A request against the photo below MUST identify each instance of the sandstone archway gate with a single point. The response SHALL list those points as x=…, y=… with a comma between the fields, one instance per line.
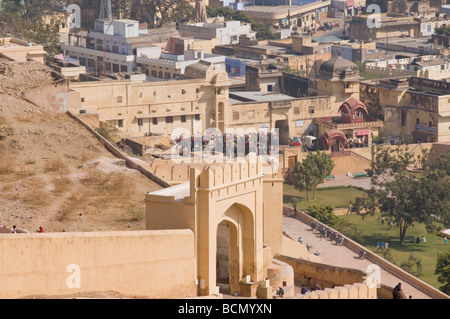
x=234, y=194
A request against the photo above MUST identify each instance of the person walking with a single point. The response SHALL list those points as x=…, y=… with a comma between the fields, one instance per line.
x=281, y=292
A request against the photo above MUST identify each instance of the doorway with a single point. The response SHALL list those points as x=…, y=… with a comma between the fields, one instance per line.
x=283, y=131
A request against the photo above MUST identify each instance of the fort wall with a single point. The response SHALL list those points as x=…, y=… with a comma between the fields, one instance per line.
x=157, y=264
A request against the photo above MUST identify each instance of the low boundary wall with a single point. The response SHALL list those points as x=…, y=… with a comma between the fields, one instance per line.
x=335, y=282
x=154, y=264
x=374, y=258
x=115, y=151
x=310, y=273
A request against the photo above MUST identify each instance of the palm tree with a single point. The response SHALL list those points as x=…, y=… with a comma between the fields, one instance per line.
x=312, y=171
x=305, y=177
x=324, y=164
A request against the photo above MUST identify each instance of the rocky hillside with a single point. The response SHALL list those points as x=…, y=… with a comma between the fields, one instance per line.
x=54, y=173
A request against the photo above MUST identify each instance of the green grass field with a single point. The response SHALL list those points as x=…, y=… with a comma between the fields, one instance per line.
x=371, y=231
x=336, y=196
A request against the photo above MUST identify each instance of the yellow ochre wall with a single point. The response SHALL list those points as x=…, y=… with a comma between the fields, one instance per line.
x=159, y=264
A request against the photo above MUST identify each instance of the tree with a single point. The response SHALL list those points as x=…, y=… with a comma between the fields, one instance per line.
x=312, y=171
x=443, y=271
x=324, y=164
x=442, y=30
x=305, y=177
x=324, y=214
x=158, y=12
x=405, y=197
x=25, y=20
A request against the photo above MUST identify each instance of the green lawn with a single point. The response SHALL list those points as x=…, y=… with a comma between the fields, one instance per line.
x=336, y=196
x=371, y=231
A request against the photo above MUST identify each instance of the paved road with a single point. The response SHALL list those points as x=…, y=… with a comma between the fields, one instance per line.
x=340, y=255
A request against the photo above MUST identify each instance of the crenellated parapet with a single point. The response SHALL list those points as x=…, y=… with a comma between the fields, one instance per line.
x=354, y=291
x=174, y=173
x=218, y=175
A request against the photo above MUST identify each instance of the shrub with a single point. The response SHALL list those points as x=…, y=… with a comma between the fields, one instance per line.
x=324, y=214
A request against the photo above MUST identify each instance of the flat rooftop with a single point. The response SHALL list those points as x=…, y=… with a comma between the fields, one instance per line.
x=284, y=10
x=178, y=192
x=257, y=96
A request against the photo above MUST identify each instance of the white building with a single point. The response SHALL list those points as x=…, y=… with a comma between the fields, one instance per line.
x=433, y=69
x=427, y=26
x=228, y=32
x=112, y=47
x=169, y=66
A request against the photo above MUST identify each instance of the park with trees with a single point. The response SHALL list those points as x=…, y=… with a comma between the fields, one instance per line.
x=411, y=191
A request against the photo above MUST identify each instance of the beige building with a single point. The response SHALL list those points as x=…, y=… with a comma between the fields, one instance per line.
x=20, y=50
x=339, y=79
x=202, y=100
x=144, y=108
x=289, y=15
x=390, y=27
x=412, y=108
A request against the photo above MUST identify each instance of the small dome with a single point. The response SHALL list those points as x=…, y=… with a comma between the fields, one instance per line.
x=339, y=69
x=220, y=77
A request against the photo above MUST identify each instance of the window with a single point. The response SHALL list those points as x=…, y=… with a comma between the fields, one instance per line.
x=403, y=117
x=82, y=99
x=197, y=117
x=270, y=87
x=430, y=124
x=417, y=121
x=155, y=120
x=311, y=109
x=358, y=114
x=140, y=122
x=120, y=123
x=183, y=118
x=296, y=110
x=169, y=119
x=119, y=99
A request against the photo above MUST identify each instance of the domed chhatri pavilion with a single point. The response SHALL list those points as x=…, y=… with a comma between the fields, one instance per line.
x=339, y=69
x=339, y=79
